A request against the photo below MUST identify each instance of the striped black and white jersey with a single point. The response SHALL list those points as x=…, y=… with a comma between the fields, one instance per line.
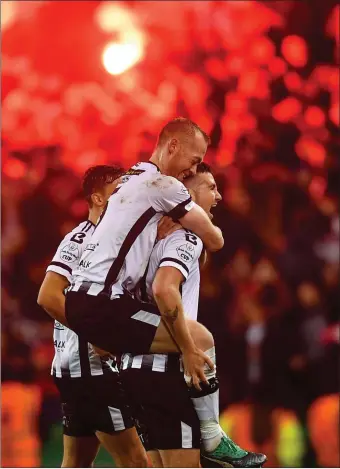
x=122, y=242
x=73, y=357
x=182, y=250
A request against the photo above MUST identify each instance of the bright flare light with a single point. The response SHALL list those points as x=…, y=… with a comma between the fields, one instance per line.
x=114, y=16
x=8, y=14
x=117, y=58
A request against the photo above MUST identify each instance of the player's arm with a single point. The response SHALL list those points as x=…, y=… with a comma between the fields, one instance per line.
x=171, y=197
x=59, y=275
x=166, y=292
x=178, y=253
x=51, y=296
x=198, y=221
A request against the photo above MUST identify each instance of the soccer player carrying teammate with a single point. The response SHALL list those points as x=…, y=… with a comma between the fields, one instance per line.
x=155, y=381
x=100, y=305
x=93, y=402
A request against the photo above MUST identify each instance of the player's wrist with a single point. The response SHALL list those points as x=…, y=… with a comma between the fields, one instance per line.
x=189, y=347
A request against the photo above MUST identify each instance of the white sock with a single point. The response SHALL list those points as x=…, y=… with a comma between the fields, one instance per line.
x=207, y=409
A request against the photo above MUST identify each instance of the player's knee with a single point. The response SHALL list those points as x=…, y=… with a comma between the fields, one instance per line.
x=202, y=337
x=77, y=462
x=136, y=457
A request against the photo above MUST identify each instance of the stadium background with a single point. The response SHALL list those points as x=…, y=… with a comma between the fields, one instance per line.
x=92, y=82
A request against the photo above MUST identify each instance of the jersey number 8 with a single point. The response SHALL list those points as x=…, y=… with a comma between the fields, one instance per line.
x=191, y=238
x=78, y=238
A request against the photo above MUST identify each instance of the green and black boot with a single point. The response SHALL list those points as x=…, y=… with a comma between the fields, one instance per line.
x=229, y=454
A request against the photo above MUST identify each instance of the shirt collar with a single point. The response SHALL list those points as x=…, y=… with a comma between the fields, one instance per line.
x=147, y=166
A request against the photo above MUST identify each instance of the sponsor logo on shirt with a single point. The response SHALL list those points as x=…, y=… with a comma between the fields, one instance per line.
x=70, y=252
x=186, y=252
x=84, y=264
x=134, y=172
x=91, y=247
x=59, y=345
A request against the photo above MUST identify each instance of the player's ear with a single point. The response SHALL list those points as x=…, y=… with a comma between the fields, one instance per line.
x=173, y=145
x=97, y=199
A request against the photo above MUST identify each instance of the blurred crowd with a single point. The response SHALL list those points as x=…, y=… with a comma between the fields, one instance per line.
x=262, y=79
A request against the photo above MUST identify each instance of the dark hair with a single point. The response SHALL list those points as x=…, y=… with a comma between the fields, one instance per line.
x=204, y=168
x=183, y=125
x=96, y=178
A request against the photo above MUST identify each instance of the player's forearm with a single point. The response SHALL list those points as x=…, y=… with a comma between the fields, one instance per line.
x=198, y=221
x=54, y=305
x=169, y=302
x=214, y=239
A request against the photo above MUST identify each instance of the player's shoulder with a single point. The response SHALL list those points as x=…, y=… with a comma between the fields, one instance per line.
x=163, y=182
x=185, y=235
x=73, y=244
x=185, y=242
x=85, y=227
x=79, y=234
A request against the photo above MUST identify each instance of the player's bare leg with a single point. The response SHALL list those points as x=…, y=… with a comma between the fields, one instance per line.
x=163, y=341
x=180, y=457
x=155, y=458
x=125, y=448
x=217, y=446
x=79, y=451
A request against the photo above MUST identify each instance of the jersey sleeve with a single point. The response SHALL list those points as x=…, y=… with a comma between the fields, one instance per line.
x=68, y=254
x=170, y=196
x=181, y=250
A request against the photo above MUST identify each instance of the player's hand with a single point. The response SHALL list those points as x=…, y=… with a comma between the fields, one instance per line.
x=166, y=227
x=103, y=353
x=193, y=362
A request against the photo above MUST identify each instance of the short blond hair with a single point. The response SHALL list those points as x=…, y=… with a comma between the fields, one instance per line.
x=181, y=125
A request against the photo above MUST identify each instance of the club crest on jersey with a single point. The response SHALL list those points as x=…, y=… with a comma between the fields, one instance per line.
x=58, y=325
x=70, y=253
x=185, y=252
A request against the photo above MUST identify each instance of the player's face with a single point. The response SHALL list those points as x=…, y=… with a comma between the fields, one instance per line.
x=206, y=193
x=185, y=155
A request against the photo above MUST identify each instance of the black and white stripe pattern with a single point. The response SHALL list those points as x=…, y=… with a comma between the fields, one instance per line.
x=117, y=419
x=125, y=235
x=186, y=431
x=74, y=358
x=130, y=239
x=181, y=252
x=160, y=362
x=88, y=226
x=167, y=253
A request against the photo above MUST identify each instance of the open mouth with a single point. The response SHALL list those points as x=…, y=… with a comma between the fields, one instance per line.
x=209, y=213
